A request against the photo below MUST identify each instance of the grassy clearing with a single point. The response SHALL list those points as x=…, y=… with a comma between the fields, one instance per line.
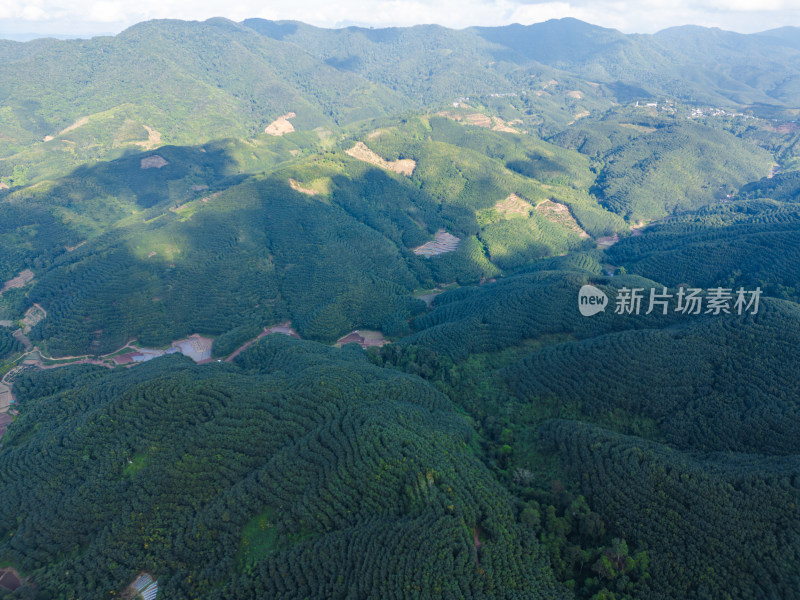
x=259, y=538
x=135, y=465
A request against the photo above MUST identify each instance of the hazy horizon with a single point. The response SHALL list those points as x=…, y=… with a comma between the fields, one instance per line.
x=87, y=18
x=26, y=36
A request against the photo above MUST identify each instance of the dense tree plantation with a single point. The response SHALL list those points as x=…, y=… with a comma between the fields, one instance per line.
x=719, y=524
x=527, y=306
x=716, y=385
x=235, y=180
x=163, y=467
x=750, y=243
x=677, y=431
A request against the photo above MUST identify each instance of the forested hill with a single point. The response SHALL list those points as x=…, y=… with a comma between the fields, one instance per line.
x=692, y=63
x=192, y=82
x=189, y=82
x=704, y=64
x=681, y=433
x=300, y=472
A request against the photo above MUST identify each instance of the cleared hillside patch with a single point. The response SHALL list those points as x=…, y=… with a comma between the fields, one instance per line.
x=479, y=120
x=153, y=162
x=607, y=241
x=560, y=215
x=404, y=166
x=20, y=281
x=153, y=139
x=514, y=206
x=79, y=123
x=443, y=242
x=281, y=125
x=317, y=187
x=366, y=338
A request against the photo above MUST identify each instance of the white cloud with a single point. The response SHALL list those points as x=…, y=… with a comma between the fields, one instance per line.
x=536, y=13
x=107, y=12
x=749, y=5
x=33, y=13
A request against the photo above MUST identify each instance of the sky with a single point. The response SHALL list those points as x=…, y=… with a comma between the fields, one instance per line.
x=97, y=17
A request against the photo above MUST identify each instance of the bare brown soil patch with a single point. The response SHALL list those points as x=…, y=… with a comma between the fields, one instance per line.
x=640, y=128
x=560, y=215
x=575, y=94
x=9, y=578
x=124, y=359
x=480, y=120
x=285, y=328
x=20, y=281
x=500, y=125
x=153, y=139
x=73, y=248
x=32, y=317
x=79, y=123
x=375, y=134
x=403, y=166
x=303, y=190
x=607, y=241
x=442, y=242
x=196, y=347
x=153, y=162
x=513, y=205
x=48, y=138
x=365, y=338
x=281, y=125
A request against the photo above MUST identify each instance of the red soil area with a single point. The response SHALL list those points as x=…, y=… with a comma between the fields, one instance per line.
x=10, y=579
x=476, y=543
x=284, y=328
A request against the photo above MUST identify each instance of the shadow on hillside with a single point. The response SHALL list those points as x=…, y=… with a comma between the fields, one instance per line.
x=149, y=178
x=271, y=29
x=255, y=252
